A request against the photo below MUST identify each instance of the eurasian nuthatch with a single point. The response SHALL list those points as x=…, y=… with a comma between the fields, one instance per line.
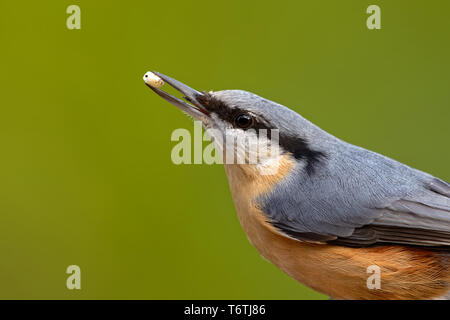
x=332, y=209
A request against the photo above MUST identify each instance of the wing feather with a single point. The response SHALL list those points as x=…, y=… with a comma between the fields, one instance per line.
x=422, y=220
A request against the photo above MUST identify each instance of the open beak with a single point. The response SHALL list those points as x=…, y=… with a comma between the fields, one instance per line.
x=195, y=109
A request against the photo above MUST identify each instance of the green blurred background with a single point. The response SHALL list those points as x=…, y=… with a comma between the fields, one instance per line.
x=85, y=170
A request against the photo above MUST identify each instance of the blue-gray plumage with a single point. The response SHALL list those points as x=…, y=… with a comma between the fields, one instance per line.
x=354, y=196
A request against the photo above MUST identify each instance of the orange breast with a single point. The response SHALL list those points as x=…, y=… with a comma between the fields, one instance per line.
x=339, y=272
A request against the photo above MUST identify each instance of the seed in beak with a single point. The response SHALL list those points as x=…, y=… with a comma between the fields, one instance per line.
x=153, y=80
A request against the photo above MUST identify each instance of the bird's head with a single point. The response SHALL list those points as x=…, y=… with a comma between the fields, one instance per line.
x=230, y=115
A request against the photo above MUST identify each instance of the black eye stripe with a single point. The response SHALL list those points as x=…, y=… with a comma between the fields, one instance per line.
x=297, y=146
x=229, y=114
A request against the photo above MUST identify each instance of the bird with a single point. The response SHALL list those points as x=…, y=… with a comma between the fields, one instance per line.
x=330, y=209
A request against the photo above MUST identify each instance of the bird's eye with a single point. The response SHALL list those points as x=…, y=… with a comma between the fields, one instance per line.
x=243, y=121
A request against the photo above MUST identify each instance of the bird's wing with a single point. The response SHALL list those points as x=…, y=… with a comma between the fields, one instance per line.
x=421, y=219
x=382, y=201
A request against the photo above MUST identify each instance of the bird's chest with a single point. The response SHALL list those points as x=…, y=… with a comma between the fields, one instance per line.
x=245, y=188
x=246, y=185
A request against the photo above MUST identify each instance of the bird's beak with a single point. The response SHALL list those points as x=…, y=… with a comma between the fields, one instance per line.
x=195, y=109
